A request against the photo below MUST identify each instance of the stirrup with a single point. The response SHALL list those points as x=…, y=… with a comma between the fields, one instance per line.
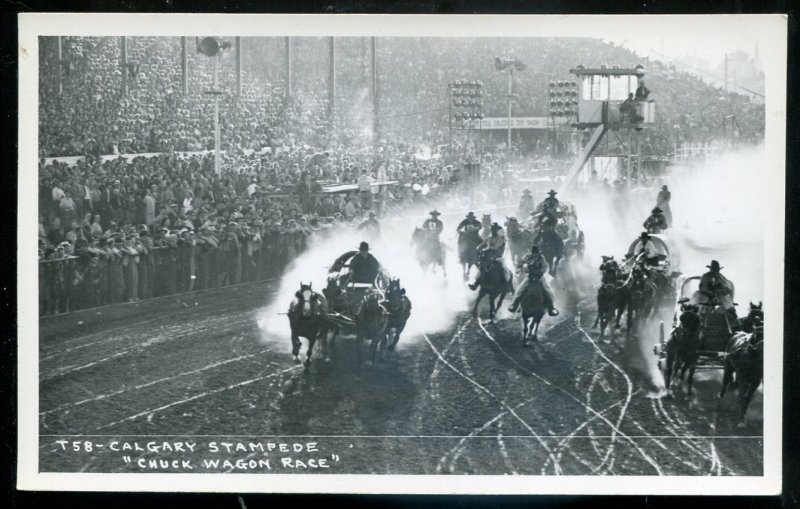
x=552, y=312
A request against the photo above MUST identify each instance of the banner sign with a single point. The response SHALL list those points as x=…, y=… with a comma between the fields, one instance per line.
x=520, y=122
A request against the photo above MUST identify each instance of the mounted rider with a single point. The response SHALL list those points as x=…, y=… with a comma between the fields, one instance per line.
x=364, y=268
x=371, y=227
x=526, y=204
x=470, y=226
x=535, y=266
x=433, y=228
x=662, y=202
x=551, y=203
x=656, y=222
x=494, y=247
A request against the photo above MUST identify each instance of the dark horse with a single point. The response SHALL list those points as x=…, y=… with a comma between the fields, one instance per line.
x=467, y=251
x=552, y=247
x=754, y=318
x=640, y=299
x=682, y=348
x=533, y=306
x=608, y=295
x=429, y=250
x=744, y=368
x=520, y=239
x=399, y=308
x=370, y=319
x=494, y=282
x=306, y=319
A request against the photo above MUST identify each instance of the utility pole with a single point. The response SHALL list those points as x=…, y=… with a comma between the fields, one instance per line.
x=726, y=71
x=123, y=43
x=288, y=67
x=238, y=66
x=375, y=96
x=510, y=81
x=59, y=80
x=332, y=79
x=185, y=64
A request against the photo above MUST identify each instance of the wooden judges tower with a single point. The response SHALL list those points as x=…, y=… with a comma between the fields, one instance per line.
x=601, y=92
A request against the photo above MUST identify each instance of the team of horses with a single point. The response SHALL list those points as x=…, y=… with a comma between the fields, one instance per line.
x=371, y=315
x=633, y=289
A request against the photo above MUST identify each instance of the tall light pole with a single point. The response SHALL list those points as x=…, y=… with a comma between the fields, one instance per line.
x=212, y=48
x=510, y=65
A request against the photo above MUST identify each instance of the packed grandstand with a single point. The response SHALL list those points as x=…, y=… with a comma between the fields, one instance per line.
x=130, y=203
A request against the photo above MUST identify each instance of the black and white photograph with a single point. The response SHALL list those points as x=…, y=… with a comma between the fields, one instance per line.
x=484, y=253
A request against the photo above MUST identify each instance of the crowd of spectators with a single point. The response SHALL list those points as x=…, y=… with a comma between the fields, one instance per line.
x=116, y=228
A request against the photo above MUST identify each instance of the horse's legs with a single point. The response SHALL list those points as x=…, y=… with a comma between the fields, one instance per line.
x=296, y=344
x=492, y=309
x=669, y=365
x=535, y=328
x=746, y=391
x=727, y=377
x=524, y=329
x=477, y=301
x=690, y=380
x=311, y=342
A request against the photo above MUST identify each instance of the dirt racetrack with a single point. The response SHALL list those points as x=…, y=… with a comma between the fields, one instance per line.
x=469, y=401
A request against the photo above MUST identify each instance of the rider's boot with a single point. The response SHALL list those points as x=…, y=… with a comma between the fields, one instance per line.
x=474, y=286
x=551, y=309
x=514, y=305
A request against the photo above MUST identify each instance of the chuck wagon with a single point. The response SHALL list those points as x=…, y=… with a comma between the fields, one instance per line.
x=566, y=227
x=717, y=324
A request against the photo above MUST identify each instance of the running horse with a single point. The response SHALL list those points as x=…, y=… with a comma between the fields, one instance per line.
x=399, y=308
x=370, y=321
x=306, y=319
x=494, y=282
x=608, y=295
x=744, y=368
x=533, y=306
x=640, y=299
x=429, y=250
x=552, y=247
x=520, y=239
x=486, y=226
x=468, y=243
x=682, y=350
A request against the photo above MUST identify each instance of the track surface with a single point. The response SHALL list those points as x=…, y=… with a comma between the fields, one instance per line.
x=469, y=401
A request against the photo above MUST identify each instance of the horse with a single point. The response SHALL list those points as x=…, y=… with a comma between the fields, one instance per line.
x=429, y=250
x=399, y=308
x=607, y=294
x=682, y=353
x=640, y=299
x=520, y=239
x=533, y=306
x=306, y=319
x=494, y=282
x=370, y=324
x=552, y=247
x=744, y=368
x=486, y=226
x=467, y=251
x=754, y=318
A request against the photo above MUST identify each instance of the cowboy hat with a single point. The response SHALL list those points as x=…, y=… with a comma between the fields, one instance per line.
x=534, y=248
x=496, y=226
x=552, y=192
x=714, y=265
x=435, y=212
x=657, y=210
x=526, y=191
x=664, y=187
x=363, y=246
x=471, y=214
